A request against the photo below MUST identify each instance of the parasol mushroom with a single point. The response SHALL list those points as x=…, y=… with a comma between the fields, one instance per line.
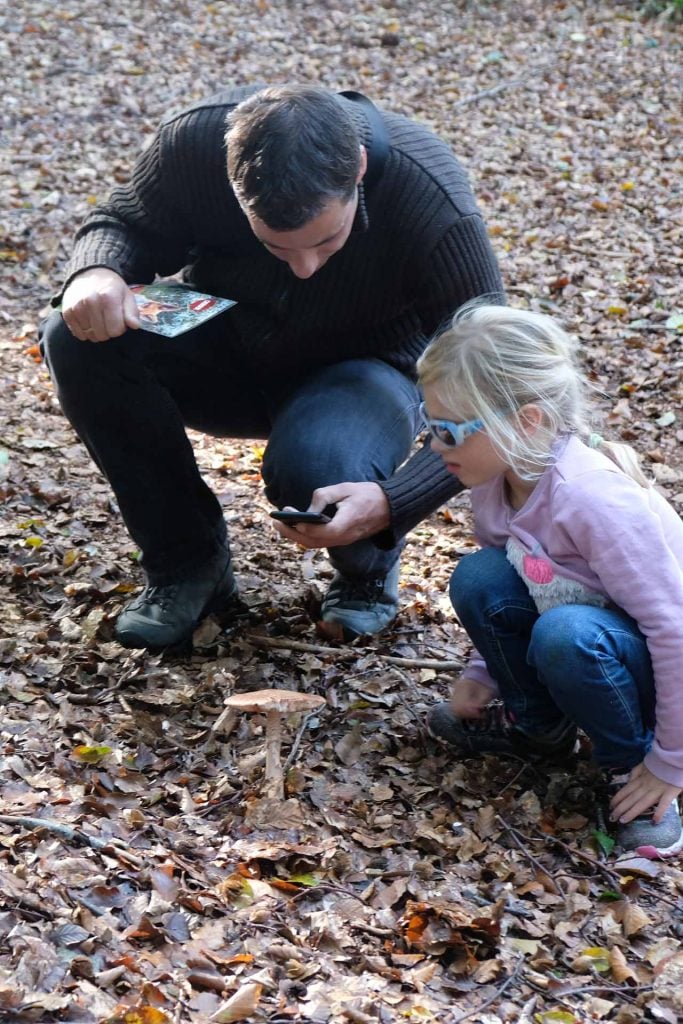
x=274, y=704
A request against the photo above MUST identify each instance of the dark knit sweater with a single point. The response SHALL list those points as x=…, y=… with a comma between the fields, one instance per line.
x=417, y=251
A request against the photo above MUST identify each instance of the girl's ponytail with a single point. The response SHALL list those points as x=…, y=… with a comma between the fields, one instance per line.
x=622, y=455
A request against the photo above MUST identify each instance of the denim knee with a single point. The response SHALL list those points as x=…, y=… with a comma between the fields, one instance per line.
x=481, y=579
x=554, y=637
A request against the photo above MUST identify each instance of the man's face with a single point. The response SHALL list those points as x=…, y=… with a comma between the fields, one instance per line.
x=309, y=248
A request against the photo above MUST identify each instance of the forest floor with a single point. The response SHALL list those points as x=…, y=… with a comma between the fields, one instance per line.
x=143, y=877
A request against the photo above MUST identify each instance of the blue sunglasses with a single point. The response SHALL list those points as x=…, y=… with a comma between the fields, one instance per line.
x=447, y=433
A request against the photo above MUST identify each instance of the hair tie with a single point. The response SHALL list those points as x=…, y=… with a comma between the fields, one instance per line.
x=595, y=440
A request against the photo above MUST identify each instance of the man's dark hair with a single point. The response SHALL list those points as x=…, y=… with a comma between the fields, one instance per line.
x=291, y=149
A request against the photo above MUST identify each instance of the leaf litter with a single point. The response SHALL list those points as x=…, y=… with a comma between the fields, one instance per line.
x=144, y=876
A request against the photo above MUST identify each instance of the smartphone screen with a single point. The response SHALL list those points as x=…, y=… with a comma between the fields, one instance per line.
x=292, y=517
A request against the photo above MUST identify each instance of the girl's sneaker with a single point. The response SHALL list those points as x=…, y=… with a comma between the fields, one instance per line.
x=654, y=840
x=494, y=733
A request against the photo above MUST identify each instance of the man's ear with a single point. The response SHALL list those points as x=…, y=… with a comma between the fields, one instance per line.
x=530, y=417
x=363, y=164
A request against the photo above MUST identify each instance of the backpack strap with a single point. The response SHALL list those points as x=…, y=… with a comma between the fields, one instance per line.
x=378, y=148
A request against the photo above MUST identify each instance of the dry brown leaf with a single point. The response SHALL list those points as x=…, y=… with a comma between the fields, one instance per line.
x=619, y=967
x=240, y=1006
x=634, y=920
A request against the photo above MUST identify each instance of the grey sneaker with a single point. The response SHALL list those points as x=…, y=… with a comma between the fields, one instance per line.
x=167, y=616
x=494, y=733
x=642, y=835
x=358, y=607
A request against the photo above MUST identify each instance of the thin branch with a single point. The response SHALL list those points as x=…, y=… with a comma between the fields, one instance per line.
x=512, y=83
x=492, y=999
x=517, y=840
x=297, y=742
x=609, y=873
x=622, y=990
x=407, y=705
x=339, y=654
x=73, y=835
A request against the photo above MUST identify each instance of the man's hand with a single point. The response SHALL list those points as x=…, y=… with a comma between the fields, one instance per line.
x=362, y=511
x=98, y=305
x=469, y=698
x=642, y=791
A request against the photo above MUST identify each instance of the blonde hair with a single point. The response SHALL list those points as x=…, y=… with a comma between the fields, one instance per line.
x=492, y=361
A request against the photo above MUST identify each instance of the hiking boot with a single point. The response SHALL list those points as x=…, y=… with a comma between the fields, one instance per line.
x=642, y=835
x=494, y=733
x=358, y=607
x=167, y=616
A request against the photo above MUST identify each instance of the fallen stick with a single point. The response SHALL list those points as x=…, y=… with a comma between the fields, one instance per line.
x=72, y=834
x=338, y=654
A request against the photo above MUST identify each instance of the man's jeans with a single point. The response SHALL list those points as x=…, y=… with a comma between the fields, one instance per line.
x=131, y=398
x=587, y=663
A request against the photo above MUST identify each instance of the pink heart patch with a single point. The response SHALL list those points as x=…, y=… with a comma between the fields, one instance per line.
x=538, y=570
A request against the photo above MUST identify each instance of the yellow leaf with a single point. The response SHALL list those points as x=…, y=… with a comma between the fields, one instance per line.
x=152, y=1015
x=33, y=542
x=91, y=755
x=595, y=958
x=626, y=186
x=617, y=309
x=69, y=558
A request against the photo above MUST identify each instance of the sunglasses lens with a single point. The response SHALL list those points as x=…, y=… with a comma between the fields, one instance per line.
x=444, y=435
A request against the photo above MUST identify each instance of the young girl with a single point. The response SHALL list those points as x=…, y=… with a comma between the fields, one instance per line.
x=574, y=603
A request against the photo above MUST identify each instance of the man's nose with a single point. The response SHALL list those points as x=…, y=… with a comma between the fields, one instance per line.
x=305, y=264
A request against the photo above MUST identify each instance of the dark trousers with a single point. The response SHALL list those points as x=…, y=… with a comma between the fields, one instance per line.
x=131, y=398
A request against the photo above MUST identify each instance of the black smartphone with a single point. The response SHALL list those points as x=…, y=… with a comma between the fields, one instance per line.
x=293, y=516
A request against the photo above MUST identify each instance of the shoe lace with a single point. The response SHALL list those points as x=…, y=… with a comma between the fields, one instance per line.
x=357, y=590
x=163, y=596
x=493, y=720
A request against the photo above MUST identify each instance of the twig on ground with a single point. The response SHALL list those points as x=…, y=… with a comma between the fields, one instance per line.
x=345, y=655
x=407, y=705
x=371, y=929
x=609, y=873
x=73, y=835
x=511, y=978
x=56, y=828
x=30, y=903
x=297, y=742
x=517, y=840
x=511, y=83
x=626, y=991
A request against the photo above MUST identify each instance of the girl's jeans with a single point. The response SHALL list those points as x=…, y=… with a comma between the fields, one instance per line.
x=131, y=399
x=576, y=661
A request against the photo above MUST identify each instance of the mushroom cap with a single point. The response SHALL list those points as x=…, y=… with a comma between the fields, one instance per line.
x=284, y=701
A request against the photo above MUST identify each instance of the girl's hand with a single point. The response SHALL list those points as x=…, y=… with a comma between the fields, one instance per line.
x=642, y=791
x=469, y=698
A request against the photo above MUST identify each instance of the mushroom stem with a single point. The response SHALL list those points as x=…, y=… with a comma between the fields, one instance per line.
x=274, y=779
